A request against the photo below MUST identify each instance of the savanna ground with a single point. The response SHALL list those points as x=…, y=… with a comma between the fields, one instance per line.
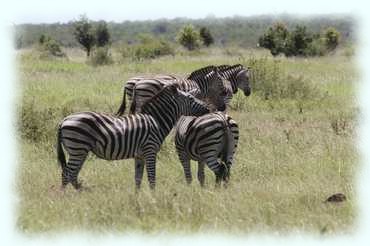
x=296, y=148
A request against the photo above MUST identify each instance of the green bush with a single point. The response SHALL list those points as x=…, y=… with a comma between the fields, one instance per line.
x=275, y=39
x=101, y=56
x=188, y=37
x=316, y=48
x=148, y=48
x=48, y=47
x=299, y=42
x=206, y=36
x=36, y=125
x=269, y=81
x=331, y=38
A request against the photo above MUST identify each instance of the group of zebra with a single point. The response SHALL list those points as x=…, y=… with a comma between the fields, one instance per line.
x=194, y=104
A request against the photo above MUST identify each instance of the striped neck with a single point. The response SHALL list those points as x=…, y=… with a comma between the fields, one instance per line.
x=165, y=111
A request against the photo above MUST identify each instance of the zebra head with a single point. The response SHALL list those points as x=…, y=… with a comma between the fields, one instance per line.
x=238, y=76
x=211, y=84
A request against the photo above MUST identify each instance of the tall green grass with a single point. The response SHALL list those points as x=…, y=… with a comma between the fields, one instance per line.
x=296, y=148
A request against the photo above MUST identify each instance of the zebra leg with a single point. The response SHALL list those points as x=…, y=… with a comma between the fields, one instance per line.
x=150, y=160
x=185, y=162
x=201, y=173
x=218, y=169
x=139, y=169
x=71, y=170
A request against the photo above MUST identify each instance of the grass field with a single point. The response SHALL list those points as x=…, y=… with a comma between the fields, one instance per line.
x=296, y=148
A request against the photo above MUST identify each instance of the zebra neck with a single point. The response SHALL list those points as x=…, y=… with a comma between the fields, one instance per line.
x=165, y=113
x=231, y=76
x=202, y=84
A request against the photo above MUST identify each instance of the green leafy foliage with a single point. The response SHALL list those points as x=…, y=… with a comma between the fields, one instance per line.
x=148, y=47
x=271, y=82
x=84, y=33
x=206, y=36
x=189, y=37
x=237, y=30
x=275, y=39
x=299, y=42
x=102, y=34
x=48, y=47
x=331, y=38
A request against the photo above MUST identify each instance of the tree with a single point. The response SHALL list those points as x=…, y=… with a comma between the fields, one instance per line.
x=43, y=38
x=188, y=37
x=83, y=32
x=275, y=39
x=206, y=36
x=298, y=41
x=102, y=34
x=331, y=38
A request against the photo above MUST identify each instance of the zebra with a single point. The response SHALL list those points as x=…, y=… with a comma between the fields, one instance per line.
x=130, y=84
x=137, y=136
x=236, y=76
x=207, y=139
x=205, y=83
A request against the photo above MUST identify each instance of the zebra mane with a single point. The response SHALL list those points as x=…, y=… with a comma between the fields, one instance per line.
x=224, y=68
x=170, y=89
x=201, y=72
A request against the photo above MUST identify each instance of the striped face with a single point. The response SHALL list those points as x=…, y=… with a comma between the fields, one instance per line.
x=216, y=93
x=242, y=79
x=192, y=105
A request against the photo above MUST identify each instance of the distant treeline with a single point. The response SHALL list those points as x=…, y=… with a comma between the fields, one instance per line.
x=241, y=31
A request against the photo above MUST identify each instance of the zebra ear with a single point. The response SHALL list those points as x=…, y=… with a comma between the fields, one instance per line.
x=243, y=72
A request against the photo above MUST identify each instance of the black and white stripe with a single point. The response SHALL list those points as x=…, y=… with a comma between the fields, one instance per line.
x=205, y=84
x=211, y=140
x=238, y=76
x=136, y=136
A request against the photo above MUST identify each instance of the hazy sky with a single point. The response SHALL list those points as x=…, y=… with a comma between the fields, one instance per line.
x=38, y=11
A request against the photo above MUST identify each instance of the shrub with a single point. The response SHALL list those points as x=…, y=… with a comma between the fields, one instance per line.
x=148, y=48
x=36, y=125
x=271, y=82
x=101, y=56
x=49, y=47
x=189, y=38
x=275, y=39
x=331, y=38
x=299, y=42
x=206, y=36
x=316, y=48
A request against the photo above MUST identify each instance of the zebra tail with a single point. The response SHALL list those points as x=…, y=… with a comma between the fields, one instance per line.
x=122, y=108
x=60, y=152
x=229, y=145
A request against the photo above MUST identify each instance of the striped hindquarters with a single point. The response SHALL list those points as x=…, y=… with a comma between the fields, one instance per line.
x=204, y=138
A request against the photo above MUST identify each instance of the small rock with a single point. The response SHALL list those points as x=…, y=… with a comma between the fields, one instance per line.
x=338, y=197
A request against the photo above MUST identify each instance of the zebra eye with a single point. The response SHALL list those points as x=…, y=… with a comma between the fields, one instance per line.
x=223, y=93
